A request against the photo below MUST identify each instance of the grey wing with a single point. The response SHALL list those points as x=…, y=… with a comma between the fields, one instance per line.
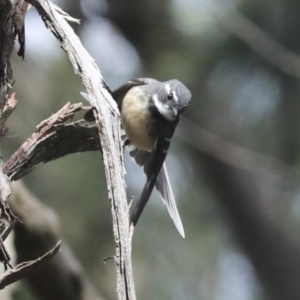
x=119, y=93
x=164, y=187
x=139, y=156
x=146, y=80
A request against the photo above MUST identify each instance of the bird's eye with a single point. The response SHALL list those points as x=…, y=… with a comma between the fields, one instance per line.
x=170, y=97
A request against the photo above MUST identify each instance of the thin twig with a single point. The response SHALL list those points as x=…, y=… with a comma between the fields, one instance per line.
x=26, y=268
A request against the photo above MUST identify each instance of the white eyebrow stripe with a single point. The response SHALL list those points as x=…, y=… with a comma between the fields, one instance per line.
x=168, y=88
x=175, y=96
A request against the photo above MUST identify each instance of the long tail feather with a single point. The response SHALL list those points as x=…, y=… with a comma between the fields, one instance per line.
x=148, y=188
x=164, y=187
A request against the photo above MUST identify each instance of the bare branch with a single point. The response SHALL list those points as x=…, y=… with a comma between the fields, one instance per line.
x=9, y=107
x=11, y=24
x=107, y=116
x=26, y=268
x=7, y=230
x=51, y=140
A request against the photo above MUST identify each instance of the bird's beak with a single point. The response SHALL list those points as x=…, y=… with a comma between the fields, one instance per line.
x=175, y=112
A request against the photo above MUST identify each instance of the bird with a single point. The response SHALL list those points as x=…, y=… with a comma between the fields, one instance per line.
x=150, y=112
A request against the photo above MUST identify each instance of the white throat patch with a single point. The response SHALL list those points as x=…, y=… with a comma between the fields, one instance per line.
x=164, y=109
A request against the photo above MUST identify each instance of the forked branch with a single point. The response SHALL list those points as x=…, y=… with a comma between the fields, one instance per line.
x=107, y=118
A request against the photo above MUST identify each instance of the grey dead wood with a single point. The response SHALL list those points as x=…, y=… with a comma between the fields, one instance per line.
x=12, y=15
x=26, y=268
x=53, y=139
x=108, y=121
